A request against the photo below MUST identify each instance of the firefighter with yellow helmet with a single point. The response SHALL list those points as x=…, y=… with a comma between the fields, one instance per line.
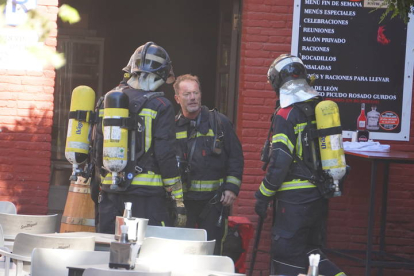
x=296, y=175
x=134, y=150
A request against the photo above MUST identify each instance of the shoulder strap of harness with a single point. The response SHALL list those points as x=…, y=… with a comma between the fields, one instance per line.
x=217, y=127
x=309, y=139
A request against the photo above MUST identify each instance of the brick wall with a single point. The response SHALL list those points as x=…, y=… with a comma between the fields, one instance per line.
x=26, y=113
x=266, y=33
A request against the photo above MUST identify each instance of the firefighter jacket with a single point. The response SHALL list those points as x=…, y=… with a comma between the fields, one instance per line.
x=283, y=177
x=203, y=169
x=157, y=168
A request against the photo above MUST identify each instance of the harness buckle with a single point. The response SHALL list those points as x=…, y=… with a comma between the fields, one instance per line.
x=306, y=140
x=140, y=127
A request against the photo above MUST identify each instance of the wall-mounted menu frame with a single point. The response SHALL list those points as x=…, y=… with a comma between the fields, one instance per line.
x=363, y=65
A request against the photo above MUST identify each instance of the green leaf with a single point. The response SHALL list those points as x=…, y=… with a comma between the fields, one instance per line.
x=68, y=14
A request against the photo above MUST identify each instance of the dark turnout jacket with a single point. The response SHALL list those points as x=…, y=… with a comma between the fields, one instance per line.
x=208, y=171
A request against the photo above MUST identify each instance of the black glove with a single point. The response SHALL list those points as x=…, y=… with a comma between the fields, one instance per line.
x=261, y=205
x=261, y=208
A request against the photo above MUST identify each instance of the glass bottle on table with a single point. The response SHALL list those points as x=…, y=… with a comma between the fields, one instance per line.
x=362, y=119
x=127, y=210
x=373, y=118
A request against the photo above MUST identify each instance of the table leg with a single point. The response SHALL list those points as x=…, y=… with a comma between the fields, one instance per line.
x=384, y=211
x=371, y=218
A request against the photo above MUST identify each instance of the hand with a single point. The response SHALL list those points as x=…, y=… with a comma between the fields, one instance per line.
x=227, y=198
x=261, y=207
x=180, y=213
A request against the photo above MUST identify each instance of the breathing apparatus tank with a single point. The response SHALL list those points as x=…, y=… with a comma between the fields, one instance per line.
x=79, y=128
x=115, y=143
x=331, y=147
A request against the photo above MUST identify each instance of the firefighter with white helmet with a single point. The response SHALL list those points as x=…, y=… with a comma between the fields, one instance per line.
x=134, y=144
x=295, y=175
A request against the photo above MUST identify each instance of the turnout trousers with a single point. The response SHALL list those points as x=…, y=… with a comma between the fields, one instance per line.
x=204, y=214
x=297, y=233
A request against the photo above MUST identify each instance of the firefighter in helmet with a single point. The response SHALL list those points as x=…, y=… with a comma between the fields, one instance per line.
x=151, y=169
x=301, y=207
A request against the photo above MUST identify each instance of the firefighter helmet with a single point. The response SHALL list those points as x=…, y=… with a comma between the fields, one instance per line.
x=151, y=58
x=286, y=67
x=288, y=77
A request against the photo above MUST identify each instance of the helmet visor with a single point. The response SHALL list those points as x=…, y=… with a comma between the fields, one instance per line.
x=151, y=63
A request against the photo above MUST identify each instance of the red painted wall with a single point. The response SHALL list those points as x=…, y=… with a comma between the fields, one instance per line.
x=26, y=114
x=266, y=33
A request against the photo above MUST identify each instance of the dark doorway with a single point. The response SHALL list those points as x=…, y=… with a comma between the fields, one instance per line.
x=188, y=30
x=198, y=35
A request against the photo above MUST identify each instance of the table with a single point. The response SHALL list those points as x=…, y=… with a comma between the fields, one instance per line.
x=103, y=241
x=392, y=261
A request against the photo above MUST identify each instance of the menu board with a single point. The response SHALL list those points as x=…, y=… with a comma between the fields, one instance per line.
x=364, y=65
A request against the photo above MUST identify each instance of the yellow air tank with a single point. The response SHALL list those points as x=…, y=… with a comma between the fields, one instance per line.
x=79, y=127
x=331, y=147
x=115, y=143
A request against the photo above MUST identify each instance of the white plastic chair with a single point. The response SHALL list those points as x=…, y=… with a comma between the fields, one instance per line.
x=7, y=207
x=25, y=243
x=54, y=262
x=165, y=248
x=117, y=272
x=34, y=224
x=176, y=233
x=189, y=264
